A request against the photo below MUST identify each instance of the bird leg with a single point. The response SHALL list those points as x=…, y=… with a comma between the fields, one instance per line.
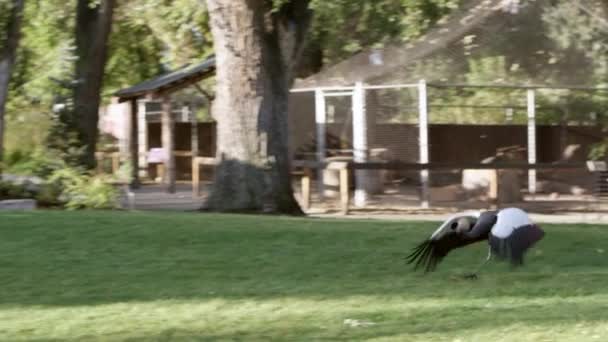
x=474, y=274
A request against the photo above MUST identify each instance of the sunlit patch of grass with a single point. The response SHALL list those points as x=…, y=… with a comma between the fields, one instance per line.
x=113, y=276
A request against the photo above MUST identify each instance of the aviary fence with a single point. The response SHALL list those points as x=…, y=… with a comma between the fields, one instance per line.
x=455, y=145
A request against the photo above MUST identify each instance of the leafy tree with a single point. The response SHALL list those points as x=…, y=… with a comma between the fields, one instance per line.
x=10, y=22
x=92, y=29
x=582, y=27
x=343, y=27
x=180, y=27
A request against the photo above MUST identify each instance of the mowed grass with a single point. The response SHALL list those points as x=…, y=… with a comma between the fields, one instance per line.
x=114, y=276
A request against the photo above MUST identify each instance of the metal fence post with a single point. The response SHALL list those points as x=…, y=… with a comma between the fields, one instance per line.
x=320, y=120
x=423, y=122
x=359, y=143
x=531, y=140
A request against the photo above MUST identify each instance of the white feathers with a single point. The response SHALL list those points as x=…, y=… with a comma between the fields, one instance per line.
x=453, y=218
x=508, y=220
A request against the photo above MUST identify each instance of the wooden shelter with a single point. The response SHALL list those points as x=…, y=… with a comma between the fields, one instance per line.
x=161, y=88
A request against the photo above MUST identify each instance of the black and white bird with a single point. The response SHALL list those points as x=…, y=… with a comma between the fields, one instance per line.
x=509, y=232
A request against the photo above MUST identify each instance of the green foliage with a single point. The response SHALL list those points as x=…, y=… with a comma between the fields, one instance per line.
x=581, y=28
x=61, y=184
x=178, y=28
x=342, y=27
x=65, y=138
x=37, y=163
x=84, y=191
x=599, y=151
x=9, y=190
x=586, y=34
x=148, y=36
x=27, y=126
x=6, y=6
x=45, y=194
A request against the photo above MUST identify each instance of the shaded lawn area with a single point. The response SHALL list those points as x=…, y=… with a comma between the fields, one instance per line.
x=113, y=276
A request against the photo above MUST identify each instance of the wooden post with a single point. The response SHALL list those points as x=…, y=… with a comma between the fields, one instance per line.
x=142, y=139
x=160, y=171
x=115, y=162
x=423, y=122
x=344, y=189
x=531, y=140
x=99, y=160
x=493, y=190
x=193, y=136
x=342, y=169
x=196, y=165
x=306, y=188
x=168, y=145
x=196, y=179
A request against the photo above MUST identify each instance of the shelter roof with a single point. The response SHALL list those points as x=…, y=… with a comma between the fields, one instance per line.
x=171, y=81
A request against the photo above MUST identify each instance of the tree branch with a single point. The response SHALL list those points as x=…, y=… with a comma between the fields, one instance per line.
x=205, y=93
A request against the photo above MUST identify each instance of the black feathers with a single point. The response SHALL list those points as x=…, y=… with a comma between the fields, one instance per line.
x=513, y=247
x=430, y=252
x=509, y=232
x=425, y=255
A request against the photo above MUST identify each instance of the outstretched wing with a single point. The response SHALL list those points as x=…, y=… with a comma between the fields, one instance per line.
x=513, y=234
x=446, y=238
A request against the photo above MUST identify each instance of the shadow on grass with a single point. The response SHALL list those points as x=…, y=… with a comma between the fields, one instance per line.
x=90, y=258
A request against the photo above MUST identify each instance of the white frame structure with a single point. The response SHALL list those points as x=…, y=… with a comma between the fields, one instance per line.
x=320, y=121
x=360, y=147
x=531, y=108
x=423, y=135
x=357, y=93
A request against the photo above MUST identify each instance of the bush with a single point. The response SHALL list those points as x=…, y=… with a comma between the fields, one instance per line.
x=33, y=163
x=599, y=151
x=80, y=190
x=57, y=184
x=66, y=187
x=10, y=190
x=49, y=196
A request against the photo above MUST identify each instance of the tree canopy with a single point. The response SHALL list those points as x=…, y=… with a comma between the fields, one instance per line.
x=152, y=36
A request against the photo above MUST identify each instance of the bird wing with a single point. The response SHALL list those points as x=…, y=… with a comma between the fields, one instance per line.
x=513, y=234
x=432, y=250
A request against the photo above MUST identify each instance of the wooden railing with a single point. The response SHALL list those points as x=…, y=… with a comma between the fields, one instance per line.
x=304, y=170
x=117, y=158
x=114, y=156
x=301, y=169
x=197, y=162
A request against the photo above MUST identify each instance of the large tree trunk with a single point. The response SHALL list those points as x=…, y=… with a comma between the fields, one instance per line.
x=93, y=25
x=8, y=47
x=168, y=140
x=256, y=51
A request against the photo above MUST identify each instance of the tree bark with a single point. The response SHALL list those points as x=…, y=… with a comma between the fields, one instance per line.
x=134, y=144
x=168, y=140
x=93, y=26
x=256, y=50
x=8, y=47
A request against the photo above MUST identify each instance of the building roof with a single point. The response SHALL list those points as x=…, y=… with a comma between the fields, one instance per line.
x=170, y=81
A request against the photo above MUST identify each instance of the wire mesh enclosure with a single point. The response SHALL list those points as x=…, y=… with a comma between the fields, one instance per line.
x=465, y=134
x=511, y=108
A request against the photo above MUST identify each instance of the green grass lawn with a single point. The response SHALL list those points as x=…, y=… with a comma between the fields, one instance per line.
x=108, y=276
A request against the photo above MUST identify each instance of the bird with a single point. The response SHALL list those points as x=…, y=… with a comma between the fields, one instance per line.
x=509, y=233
